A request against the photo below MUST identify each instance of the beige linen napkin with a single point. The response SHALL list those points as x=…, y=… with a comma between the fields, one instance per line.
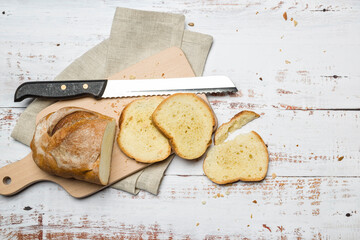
x=134, y=36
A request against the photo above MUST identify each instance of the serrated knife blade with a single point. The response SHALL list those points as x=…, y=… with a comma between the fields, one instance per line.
x=123, y=88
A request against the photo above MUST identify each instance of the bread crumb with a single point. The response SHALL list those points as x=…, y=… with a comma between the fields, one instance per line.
x=257, y=13
x=197, y=224
x=254, y=201
x=58, y=44
x=163, y=74
x=280, y=50
x=227, y=192
x=264, y=225
x=285, y=16
x=203, y=202
x=291, y=19
x=221, y=195
x=218, y=195
x=340, y=158
x=191, y=24
x=248, y=225
x=295, y=23
x=260, y=78
x=287, y=62
x=132, y=77
x=273, y=175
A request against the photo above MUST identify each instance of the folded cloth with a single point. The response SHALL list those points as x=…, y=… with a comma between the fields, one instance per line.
x=134, y=36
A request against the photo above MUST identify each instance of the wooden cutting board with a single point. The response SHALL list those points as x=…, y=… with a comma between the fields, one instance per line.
x=170, y=63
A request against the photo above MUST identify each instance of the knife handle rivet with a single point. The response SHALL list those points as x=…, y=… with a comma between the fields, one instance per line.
x=85, y=86
x=63, y=87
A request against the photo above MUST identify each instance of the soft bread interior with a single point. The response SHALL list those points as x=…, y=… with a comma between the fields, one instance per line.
x=106, y=152
x=188, y=123
x=138, y=137
x=244, y=158
x=237, y=122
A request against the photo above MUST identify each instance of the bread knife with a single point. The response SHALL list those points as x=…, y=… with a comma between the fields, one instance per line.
x=122, y=88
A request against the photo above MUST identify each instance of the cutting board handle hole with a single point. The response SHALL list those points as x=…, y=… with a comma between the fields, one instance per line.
x=7, y=180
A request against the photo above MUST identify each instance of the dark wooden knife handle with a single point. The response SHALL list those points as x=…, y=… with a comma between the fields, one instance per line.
x=60, y=89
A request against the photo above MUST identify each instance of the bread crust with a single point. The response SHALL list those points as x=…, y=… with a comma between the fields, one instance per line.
x=67, y=143
x=245, y=179
x=171, y=138
x=121, y=127
x=222, y=132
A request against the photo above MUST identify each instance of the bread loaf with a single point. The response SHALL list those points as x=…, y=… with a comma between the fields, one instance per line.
x=138, y=137
x=188, y=122
x=245, y=158
x=75, y=143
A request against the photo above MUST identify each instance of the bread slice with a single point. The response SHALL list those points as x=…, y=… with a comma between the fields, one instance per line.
x=187, y=121
x=237, y=122
x=75, y=143
x=138, y=138
x=245, y=158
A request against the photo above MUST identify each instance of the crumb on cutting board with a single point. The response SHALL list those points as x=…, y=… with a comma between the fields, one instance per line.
x=273, y=175
x=340, y=158
x=191, y=24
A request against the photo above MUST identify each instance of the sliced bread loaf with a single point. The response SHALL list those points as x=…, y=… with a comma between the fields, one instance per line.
x=237, y=122
x=75, y=143
x=244, y=158
x=188, y=122
x=138, y=138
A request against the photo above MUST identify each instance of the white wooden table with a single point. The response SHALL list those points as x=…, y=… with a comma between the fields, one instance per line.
x=303, y=80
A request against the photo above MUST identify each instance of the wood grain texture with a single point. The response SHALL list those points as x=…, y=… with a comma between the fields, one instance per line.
x=303, y=80
x=290, y=208
x=318, y=48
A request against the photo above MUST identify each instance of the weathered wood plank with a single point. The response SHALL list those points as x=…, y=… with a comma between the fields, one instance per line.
x=246, y=46
x=189, y=207
x=300, y=143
